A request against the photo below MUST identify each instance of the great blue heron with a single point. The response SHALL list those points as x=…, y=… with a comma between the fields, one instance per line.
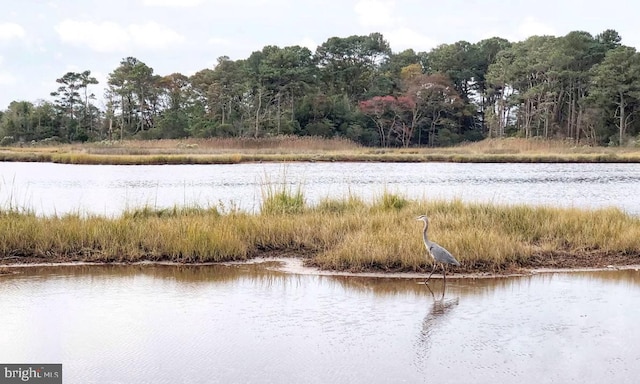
x=438, y=253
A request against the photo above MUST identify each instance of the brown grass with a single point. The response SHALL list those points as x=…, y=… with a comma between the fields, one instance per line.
x=273, y=145
x=343, y=234
x=308, y=149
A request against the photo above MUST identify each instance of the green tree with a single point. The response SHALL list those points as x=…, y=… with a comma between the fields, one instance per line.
x=609, y=39
x=436, y=98
x=290, y=73
x=616, y=87
x=458, y=62
x=389, y=79
x=173, y=121
x=278, y=78
x=350, y=65
x=72, y=99
x=583, y=52
x=46, y=123
x=135, y=91
x=576, y=86
x=17, y=121
x=486, y=54
x=220, y=99
x=528, y=74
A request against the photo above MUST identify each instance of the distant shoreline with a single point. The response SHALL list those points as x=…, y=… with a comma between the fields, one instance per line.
x=240, y=158
x=287, y=149
x=296, y=266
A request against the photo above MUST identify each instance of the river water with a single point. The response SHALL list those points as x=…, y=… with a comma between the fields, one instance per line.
x=108, y=190
x=248, y=324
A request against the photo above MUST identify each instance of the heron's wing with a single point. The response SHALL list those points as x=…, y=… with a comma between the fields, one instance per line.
x=441, y=255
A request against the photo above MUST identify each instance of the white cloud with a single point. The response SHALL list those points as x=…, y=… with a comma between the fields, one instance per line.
x=219, y=41
x=489, y=33
x=10, y=31
x=171, y=3
x=98, y=89
x=405, y=38
x=375, y=13
x=7, y=78
x=531, y=27
x=102, y=37
x=108, y=36
x=154, y=36
x=48, y=86
x=101, y=77
x=308, y=43
x=381, y=14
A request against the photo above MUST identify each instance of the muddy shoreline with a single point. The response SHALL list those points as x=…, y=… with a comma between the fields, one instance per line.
x=297, y=266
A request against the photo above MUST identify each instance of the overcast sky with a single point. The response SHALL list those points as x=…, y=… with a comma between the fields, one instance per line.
x=41, y=40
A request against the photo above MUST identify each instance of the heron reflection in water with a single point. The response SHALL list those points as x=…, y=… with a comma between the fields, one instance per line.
x=433, y=320
x=439, y=308
x=438, y=253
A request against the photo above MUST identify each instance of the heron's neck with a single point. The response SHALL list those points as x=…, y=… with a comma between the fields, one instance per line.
x=424, y=233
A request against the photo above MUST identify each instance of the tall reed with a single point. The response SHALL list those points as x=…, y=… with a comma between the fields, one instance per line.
x=342, y=234
x=281, y=198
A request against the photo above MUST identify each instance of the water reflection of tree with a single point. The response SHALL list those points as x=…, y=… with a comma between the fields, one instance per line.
x=185, y=274
x=264, y=273
x=379, y=286
x=628, y=277
x=439, y=310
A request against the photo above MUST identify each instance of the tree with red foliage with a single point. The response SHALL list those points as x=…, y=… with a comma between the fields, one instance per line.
x=425, y=99
x=405, y=125
x=386, y=113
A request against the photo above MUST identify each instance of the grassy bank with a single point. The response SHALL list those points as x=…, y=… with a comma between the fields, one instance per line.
x=289, y=149
x=346, y=234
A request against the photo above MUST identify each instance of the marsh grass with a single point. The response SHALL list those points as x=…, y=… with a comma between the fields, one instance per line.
x=389, y=201
x=281, y=198
x=267, y=145
x=309, y=149
x=349, y=204
x=342, y=234
x=176, y=211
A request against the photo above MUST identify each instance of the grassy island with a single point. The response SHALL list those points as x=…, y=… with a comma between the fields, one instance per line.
x=345, y=234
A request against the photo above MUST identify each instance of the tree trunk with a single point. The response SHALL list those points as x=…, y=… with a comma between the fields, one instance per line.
x=278, y=112
x=623, y=120
x=258, y=113
x=122, y=118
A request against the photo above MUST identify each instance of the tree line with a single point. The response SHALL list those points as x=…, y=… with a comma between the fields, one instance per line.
x=579, y=87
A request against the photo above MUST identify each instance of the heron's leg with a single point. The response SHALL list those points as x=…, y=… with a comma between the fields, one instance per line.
x=444, y=277
x=435, y=265
x=430, y=291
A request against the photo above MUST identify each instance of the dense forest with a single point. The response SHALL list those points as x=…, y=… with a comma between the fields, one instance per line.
x=577, y=87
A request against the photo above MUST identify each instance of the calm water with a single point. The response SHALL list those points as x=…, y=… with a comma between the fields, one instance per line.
x=246, y=324
x=101, y=189
x=164, y=324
